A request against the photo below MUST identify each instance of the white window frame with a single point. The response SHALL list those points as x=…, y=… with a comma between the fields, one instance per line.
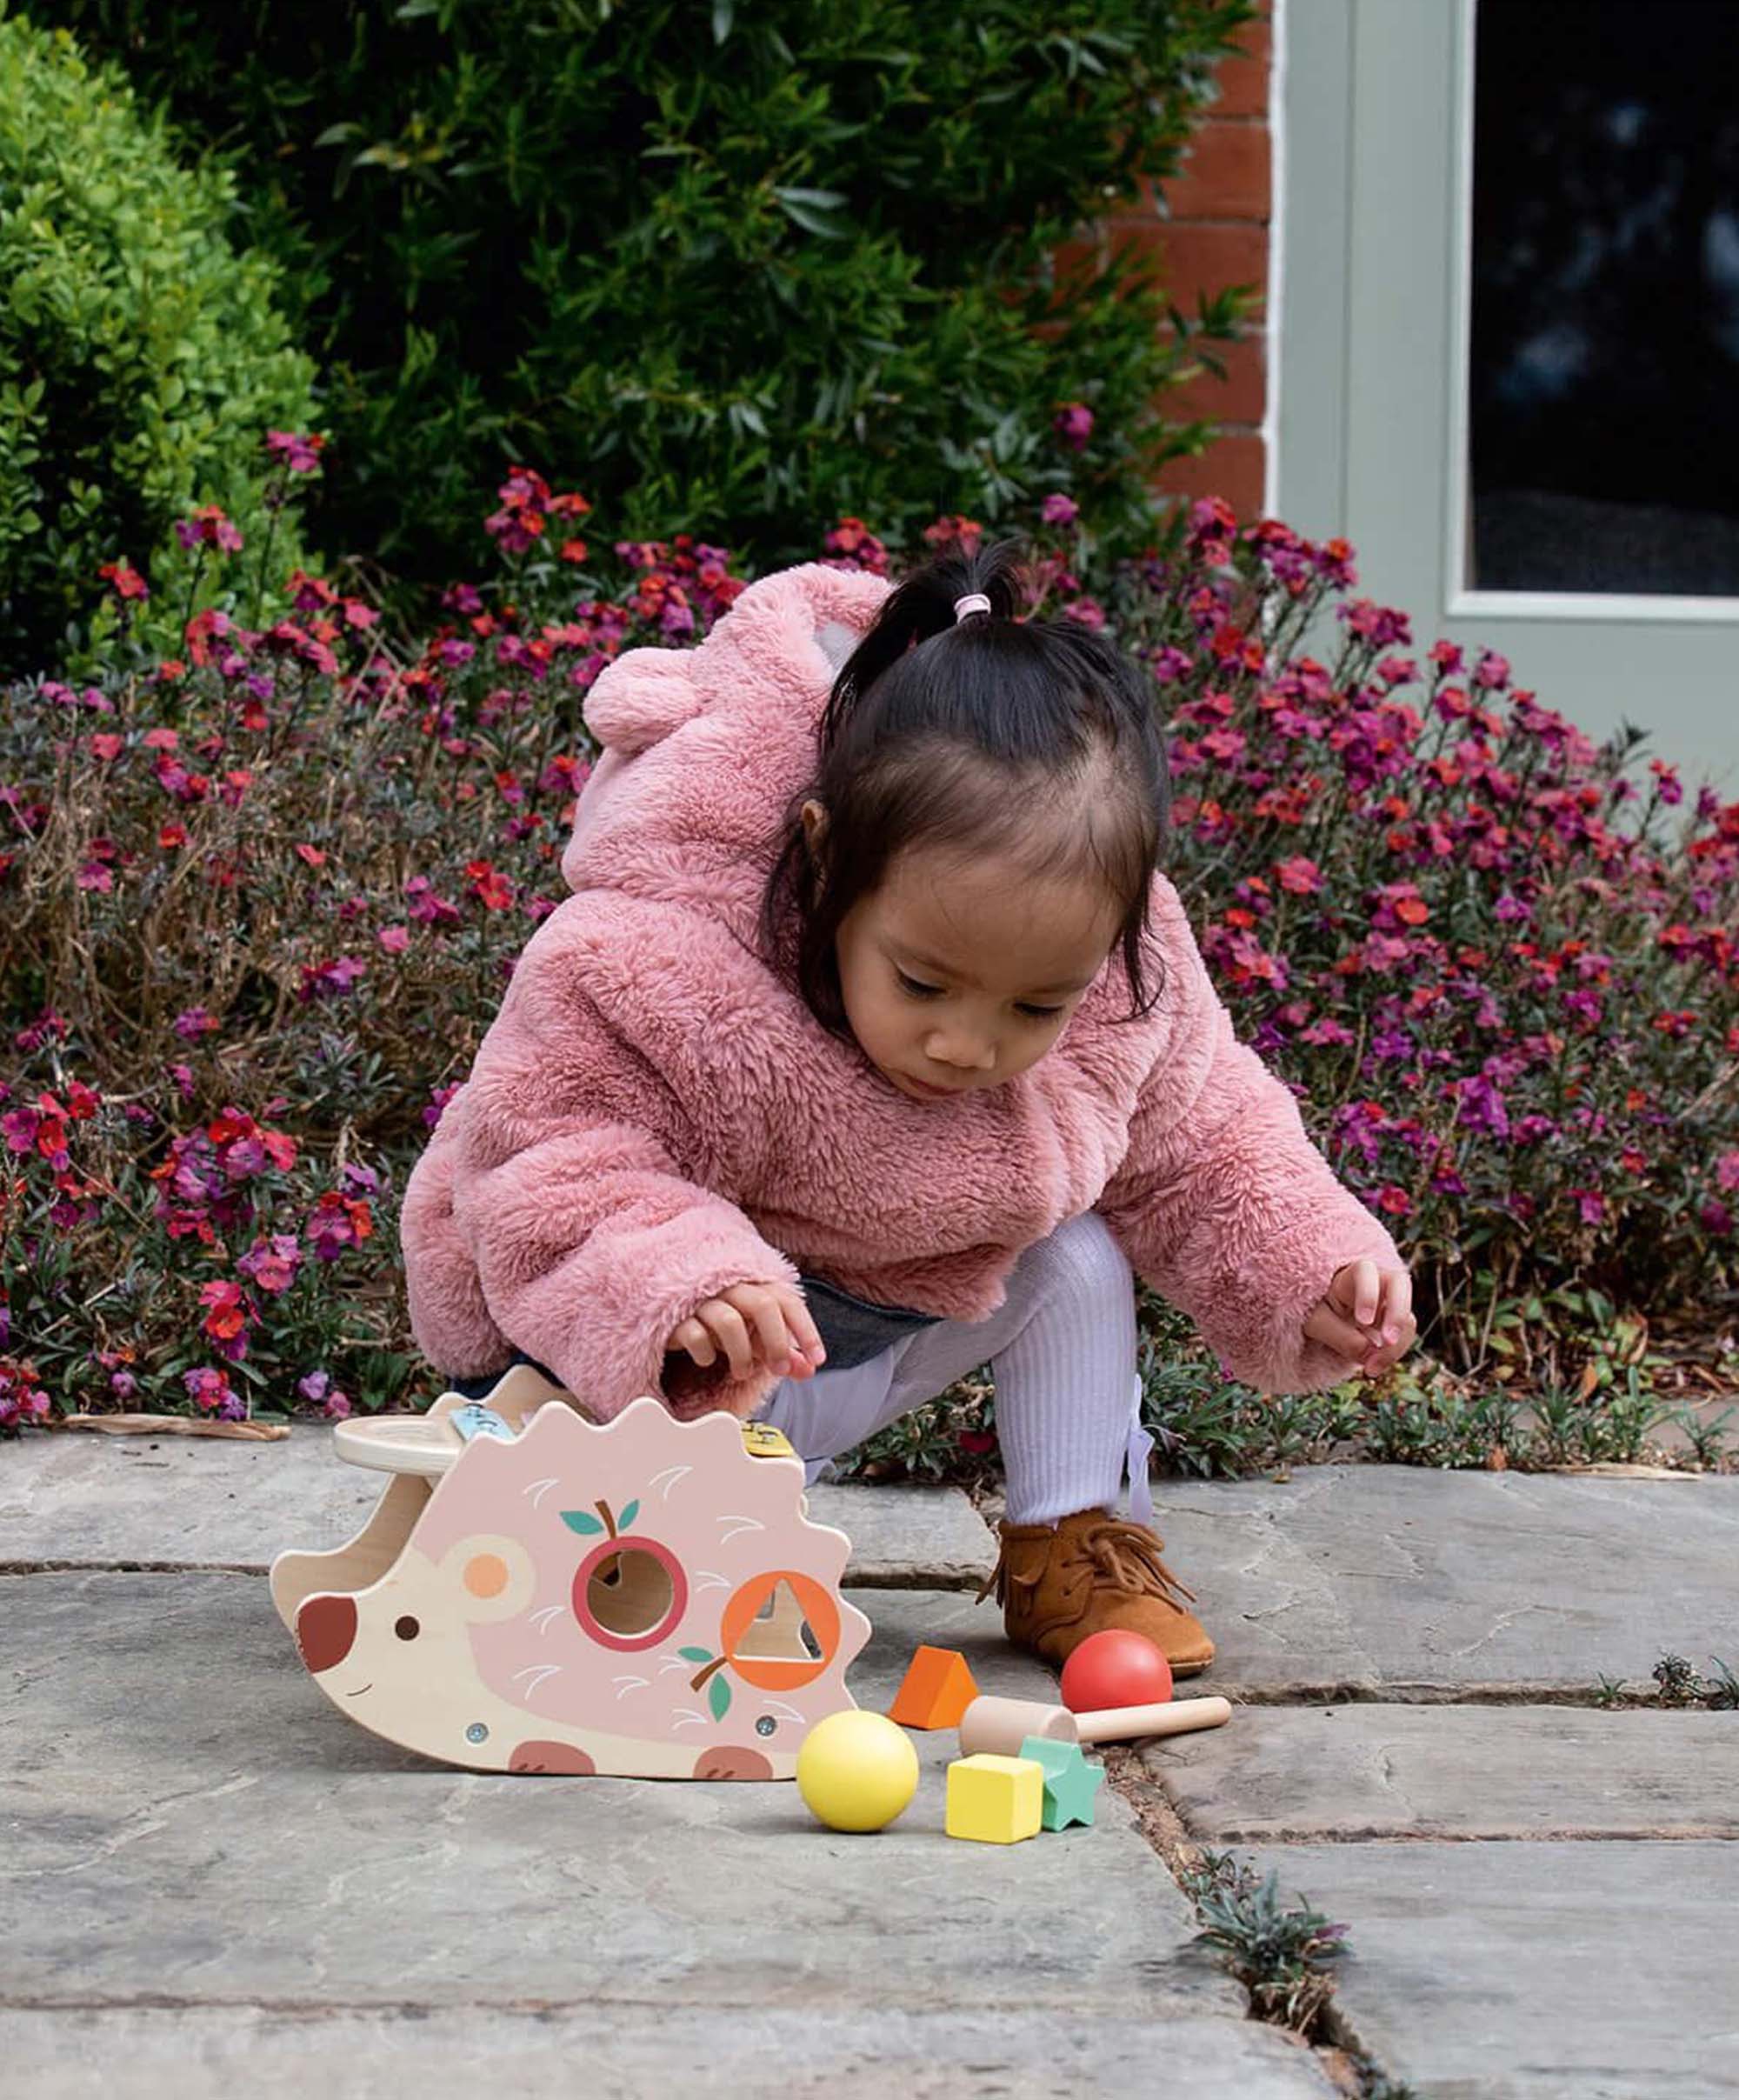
x=1462, y=603
x=1368, y=352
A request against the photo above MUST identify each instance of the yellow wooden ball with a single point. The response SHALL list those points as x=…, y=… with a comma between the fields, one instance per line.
x=856, y=1771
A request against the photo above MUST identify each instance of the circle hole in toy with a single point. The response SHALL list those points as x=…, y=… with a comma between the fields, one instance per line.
x=629, y=1595
x=407, y=1629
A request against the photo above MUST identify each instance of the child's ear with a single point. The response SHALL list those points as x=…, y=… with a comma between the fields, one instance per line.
x=815, y=830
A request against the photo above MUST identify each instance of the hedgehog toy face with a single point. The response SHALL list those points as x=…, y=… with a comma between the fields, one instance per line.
x=642, y=1597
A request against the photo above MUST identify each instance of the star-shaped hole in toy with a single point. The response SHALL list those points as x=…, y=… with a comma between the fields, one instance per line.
x=1070, y=1782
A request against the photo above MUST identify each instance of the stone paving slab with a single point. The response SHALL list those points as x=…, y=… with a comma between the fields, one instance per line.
x=1367, y=1577
x=182, y=1816
x=622, y=2052
x=1552, y=1971
x=1369, y=1771
x=80, y=1500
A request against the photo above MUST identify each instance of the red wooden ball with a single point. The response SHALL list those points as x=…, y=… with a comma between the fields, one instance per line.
x=1115, y=1668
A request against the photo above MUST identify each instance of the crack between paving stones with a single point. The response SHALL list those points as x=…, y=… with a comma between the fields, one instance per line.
x=1160, y=1825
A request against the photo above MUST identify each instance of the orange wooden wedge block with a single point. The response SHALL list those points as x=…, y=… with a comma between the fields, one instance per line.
x=937, y=1690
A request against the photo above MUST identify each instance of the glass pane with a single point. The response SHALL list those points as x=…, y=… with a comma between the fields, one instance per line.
x=1603, y=407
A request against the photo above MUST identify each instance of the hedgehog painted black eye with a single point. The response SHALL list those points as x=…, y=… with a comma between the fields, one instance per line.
x=765, y=1726
x=407, y=1628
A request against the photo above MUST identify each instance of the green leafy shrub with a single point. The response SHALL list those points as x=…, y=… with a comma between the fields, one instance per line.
x=140, y=356
x=731, y=270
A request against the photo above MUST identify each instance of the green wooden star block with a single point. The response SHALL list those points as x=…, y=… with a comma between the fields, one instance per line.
x=1069, y=1782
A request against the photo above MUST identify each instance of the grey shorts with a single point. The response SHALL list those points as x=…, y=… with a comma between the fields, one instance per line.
x=854, y=1330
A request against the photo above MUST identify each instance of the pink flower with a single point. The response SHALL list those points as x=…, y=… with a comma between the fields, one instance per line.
x=1073, y=423
x=1727, y=1170
x=208, y=527
x=212, y=1392
x=300, y=455
x=1302, y=877
x=1059, y=509
x=271, y=1265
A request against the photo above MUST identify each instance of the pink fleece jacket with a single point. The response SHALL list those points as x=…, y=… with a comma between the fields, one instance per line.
x=653, y=1116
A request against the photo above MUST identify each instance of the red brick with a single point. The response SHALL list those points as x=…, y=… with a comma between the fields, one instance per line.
x=1243, y=82
x=1226, y=174
x=1232, y=467
x=1196, y=257
x=1239, y=397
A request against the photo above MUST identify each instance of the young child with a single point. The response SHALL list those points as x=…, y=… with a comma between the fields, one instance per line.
x=873, y=1046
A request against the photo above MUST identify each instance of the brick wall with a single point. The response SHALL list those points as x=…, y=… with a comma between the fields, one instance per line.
x=1212, y=231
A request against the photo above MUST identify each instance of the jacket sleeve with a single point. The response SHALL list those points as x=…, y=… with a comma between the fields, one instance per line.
x=589, y=1241
x=1224, y=1205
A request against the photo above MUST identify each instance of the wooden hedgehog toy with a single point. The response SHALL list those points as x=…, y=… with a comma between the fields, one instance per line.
x=536, y=1592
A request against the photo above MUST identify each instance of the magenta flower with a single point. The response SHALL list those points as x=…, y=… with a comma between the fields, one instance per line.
x=1059, y=509
x=208, y=527
x=1073, y=423
x=272, y=1265
x=299, y=455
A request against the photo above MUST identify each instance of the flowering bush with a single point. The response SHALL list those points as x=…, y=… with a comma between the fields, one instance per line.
x=260, y=899
x=1497, y=962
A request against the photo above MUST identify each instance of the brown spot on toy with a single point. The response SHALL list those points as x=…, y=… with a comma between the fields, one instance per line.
x=325, y=1627
x=555, y=1758
x=725, y=1763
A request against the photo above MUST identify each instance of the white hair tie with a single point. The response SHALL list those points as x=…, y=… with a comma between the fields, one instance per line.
x=975, y=601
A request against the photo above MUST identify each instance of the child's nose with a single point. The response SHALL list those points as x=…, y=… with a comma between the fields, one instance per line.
x=961, y=1053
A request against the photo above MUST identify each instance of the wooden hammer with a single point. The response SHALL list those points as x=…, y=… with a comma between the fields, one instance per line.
x=1000, y=1726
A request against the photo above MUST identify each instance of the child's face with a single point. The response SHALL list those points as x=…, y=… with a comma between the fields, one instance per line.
x=959, y=977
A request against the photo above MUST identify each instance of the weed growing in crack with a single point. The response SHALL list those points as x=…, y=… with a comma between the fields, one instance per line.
x=1279, y=1955
x=1708, y=1440
x=1720, y=1692
x=1609, y=1692
x=1680, y=1684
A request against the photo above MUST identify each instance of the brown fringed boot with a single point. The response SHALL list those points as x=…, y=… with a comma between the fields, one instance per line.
x=1057, y=1583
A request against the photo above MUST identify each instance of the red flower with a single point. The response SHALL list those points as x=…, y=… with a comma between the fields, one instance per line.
x=125, y=580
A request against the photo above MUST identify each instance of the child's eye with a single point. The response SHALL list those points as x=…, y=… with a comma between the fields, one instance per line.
x=910, y=986
x=1041, y=1013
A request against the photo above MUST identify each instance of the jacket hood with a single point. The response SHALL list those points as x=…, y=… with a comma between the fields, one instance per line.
x=703, y=749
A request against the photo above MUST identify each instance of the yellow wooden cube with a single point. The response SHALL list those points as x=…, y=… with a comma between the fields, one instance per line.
x=996, y=1800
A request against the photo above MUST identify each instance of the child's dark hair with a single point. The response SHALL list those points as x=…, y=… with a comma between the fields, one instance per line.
x=973, y=734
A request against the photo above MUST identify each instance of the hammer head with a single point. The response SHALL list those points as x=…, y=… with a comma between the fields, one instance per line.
x=998, y=1726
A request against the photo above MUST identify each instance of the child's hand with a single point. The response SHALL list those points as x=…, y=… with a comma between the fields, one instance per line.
x=751, y=1322
x=1367, y=1314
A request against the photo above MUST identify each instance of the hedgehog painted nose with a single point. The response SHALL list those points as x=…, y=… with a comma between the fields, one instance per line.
x=325, y=1627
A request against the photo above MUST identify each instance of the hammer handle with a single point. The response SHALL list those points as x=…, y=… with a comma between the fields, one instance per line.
x=1170, y=1717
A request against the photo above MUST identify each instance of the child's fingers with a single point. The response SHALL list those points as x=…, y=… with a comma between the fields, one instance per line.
x=1398, y=1311
x=693, y=1340
x=1331, y=1328
x=767, y=1318
x=726, y=1325
x=1361, y=1292
x=804, y=1332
